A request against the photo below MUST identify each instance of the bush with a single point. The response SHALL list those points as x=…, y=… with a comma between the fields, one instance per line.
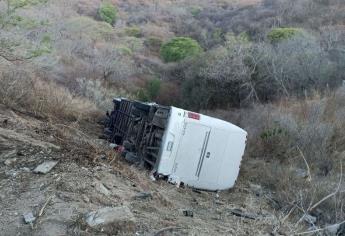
x=20, y=91
x=151, y=90
x=179, y=48
x=195, y=11
x=280, y=34
x=133, y=31
x=108, y=12
x=88, y=28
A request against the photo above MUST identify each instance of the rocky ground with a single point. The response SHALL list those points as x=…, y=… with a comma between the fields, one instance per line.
x=89, y=190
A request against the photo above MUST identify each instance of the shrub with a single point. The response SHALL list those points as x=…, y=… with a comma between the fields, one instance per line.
x=151, y=90
x=133, y=31
x=45, y=47
x=108, y=12
x=179, y=48
x=195, y=11
x=277, y=35
x=125, y=51
x=18, y=90
x=86, y=27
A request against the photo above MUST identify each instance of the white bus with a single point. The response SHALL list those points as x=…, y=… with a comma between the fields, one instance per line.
x=185, y=147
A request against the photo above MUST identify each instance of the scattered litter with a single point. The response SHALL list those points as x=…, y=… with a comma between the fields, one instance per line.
x=300, y=173
x=143, y=196
x=45, y=167
x=240, y=213
x=188, y=213
x=25, y=169
x=29, y=218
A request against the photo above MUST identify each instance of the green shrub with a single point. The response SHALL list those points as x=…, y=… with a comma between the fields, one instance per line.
x=133, y=31
x=22, y=3
x=179, y=48
x=45, y=47
x=108, y=12
x=151, y=90
x=123, y=50
x=279, y=34
x=195, y=10
x=87, y=27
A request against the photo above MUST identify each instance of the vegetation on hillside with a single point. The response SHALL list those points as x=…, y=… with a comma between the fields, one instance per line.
x=179, y=48
x=277, y=64
x=108, y=12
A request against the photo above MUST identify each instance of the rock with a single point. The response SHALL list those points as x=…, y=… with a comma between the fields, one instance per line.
x=310, y=219
x=102, y=189
x=29, y=218
x=11, y=161
x=86, y=199
x=335, y=230
x=300, y=173
x=341, y=229
x=45, y=167
x=188, y=213
x=109, y=218
x=143, y=196
x=25, y=169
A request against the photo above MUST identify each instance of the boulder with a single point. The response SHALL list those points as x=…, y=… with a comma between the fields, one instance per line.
x=102, y=189
x=45, y=167
x=335, y=230
x=111, y=219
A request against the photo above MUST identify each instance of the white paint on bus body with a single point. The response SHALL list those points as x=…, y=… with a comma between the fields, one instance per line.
x=201, y=151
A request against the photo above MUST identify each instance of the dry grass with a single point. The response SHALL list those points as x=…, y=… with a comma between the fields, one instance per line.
x=295, y=150
x=21, y=91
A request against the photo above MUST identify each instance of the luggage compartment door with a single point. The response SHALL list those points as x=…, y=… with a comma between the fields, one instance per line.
x=192, y=148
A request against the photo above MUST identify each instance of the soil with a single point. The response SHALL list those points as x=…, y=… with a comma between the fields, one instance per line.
x=90, y=176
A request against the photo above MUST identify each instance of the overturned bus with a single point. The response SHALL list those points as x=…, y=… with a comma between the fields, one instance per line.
x=185, y=147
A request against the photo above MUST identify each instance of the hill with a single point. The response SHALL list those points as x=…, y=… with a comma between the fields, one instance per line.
x=273, y=67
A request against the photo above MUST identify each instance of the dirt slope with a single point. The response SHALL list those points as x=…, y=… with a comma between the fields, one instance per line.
x=82, y=182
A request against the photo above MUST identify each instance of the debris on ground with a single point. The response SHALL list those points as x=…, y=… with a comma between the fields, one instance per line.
x=45, y=167
x=119, y=199
x=113, y=217
x=240, y=213
x=188, y=213
x=102, y=189
x=143, y=196
x=29, y=218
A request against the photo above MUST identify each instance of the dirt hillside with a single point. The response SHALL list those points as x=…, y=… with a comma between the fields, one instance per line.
x=85, y=180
